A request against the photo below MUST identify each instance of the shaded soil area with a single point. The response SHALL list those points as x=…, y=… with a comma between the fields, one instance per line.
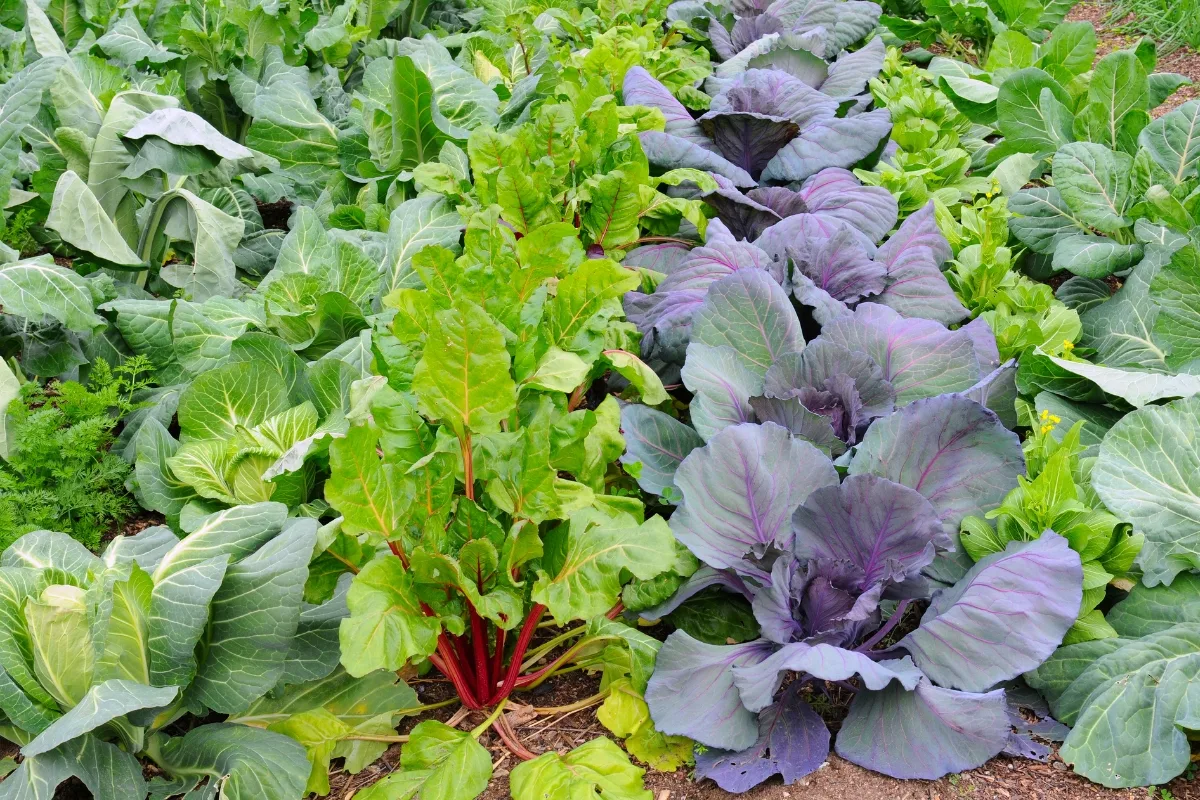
x=1183, y=60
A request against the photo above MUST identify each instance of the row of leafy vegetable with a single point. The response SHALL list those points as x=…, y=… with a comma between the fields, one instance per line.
x=391, y=433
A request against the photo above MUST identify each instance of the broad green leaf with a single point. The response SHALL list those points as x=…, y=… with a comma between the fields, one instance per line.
x=127, y=42
x=1094, y=182
x=558, y=371
x=596, y=768
x=10, y=389
x=595, y=550
x=248, y=763
x=417, y=132
x=214, y=236
x=78, y=218
x=179, y=609
x=1042, y=219
x=102, y=703
x=638, y=373
x=428, y=219
x=107, y=771
x=386, y=627
x=20, y=100
x=1149, y=476
x=438, y=763
x=217, y=402
x=253, y=618
x=625, y=713
x=575, y=318
x=37, y=288
x=63, y=658
x=1119, y=86
x=373, y=495
x=1129, y=708
x=1173, y=141
x=16, y=648
x=126, y=652
x=110, y=157
x=157, y=487
x=1032, y=111
x=463, y=377
x=1155, y=609
x=1071, y=46
x=1173, y=292
x=1094, y=256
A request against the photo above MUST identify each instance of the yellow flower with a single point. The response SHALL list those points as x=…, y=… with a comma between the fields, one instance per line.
x=1068, y=345
x=1045, y=414
x=1047, y=428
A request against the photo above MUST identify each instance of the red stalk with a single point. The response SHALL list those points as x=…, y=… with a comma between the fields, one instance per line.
x=479, y=644
x=616, y=610
x=444, y=661
x=497, y=661
x=514, y=665
x=533, y=677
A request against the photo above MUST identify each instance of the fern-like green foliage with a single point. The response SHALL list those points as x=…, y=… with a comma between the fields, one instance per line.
x=61, y=474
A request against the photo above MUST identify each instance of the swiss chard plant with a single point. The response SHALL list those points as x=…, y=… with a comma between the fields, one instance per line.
x=102, y=655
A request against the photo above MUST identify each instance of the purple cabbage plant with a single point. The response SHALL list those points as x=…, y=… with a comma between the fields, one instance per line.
x=819, y=559
x=826, y=256
x=764, y=125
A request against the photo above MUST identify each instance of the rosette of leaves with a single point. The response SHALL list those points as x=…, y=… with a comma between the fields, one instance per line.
x=102, y=654
x=1023, y=313
x=802, y=39
x=805, y=553
x=481, y=466
x=763, y=125
x=1057, y=496
x=936, y=146
x=825, y=255
x=1127, y=699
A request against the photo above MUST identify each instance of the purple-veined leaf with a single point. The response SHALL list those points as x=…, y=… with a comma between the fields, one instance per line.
x=831, y=254
x=749, y=312
x=671, y=152
x=658, y=443
x=829, y=142
x=920, y=357
x=848, y=76
x=1005, y=617
x=641, y=89
x=746, y=217
x=740, y=490
x=913, y=257
x=691, y=692
x=950, y=449
x=792, y=742
x=664, y=257
x=720, y=256
x=758, y=682
x=888, y=531
x=820, y=361
x=837, y=193
x=925, y=733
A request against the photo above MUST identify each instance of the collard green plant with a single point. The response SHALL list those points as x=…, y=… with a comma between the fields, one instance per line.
x=1126, y=698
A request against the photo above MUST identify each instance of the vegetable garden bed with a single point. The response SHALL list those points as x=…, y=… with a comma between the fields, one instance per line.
x=643, y=399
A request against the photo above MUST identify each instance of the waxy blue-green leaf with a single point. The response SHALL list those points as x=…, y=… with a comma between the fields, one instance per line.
x=248, y=763
x=37, y=288
x=1094, y=182
x=103, y=703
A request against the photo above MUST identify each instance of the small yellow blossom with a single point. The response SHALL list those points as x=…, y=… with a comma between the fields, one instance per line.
x=1068, y=345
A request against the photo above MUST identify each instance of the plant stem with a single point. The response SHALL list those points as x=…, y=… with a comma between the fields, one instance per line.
x=509, y=737
x=497, y=662
x=538, y=653
x=432, y=706
x=445, y=661
x=468, y=467
x=365, y=738
x=479, y=645
x=487, y=723
x=895, y=618
x=514, y=665
x=586, y=702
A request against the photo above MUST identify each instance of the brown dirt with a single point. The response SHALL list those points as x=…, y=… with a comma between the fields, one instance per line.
x=275, y=215
x=1184, y=60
